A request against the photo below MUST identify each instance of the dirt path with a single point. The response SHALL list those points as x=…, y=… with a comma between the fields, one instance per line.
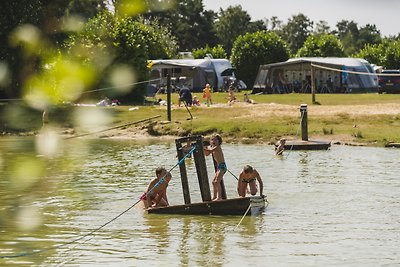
x=260, y=110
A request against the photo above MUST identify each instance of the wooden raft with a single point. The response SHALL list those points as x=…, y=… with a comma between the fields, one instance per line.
x=234, y=206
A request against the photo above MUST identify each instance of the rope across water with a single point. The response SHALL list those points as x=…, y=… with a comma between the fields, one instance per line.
x=92, y=232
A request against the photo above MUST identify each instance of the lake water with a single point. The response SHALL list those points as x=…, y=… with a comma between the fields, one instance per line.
x=339, y=207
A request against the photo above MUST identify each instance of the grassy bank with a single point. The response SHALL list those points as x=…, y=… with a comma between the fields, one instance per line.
x=352, y=118
x=370, y=119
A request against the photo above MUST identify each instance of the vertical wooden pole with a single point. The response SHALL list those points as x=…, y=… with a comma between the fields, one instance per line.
x=182, y=169
x=169, y=97
x=304, y=125
x=313, y=83
x=201, y=169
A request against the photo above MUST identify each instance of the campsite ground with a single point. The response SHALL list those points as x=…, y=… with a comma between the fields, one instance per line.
x=356, y=119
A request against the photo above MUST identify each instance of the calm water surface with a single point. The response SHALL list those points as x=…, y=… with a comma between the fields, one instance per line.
x=339, y=207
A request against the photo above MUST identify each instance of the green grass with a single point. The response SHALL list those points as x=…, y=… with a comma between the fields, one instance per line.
x=297, y=99
x=236, y=123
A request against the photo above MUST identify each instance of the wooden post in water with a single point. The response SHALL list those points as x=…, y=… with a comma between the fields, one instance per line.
x=182, y=169
x=304, y=126
x=201, y=169
x=169, y=97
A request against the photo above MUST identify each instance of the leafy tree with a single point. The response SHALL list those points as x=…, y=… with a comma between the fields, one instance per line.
x=254, y=49
x=371, y=53
x=189, y=23
x=47, y=17
x=392, y=54
x=85, y=8
x=216, y=52
x=368, y=34
x=325, y=45
x=125, y=41
x=231, y=23
x=348, y=33
x=354, y=38
x=296, y=31
x=386, y=54
x=322, y=27
x=43, y=14
x=274, y=24
x=255, y=26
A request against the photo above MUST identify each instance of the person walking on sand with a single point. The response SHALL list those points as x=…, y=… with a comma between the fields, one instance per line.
x=216, y=150
x=248, y=177
x=207, y=94
x=156, y=193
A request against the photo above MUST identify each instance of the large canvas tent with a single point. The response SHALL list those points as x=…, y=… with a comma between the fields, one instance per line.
x=193, y=73
x=332, y=75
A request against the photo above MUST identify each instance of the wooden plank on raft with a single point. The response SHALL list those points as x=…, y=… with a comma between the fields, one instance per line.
x=201, y=169
x=234, y=206
x=182, y=169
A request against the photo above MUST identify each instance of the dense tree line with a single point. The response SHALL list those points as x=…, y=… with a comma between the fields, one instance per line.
x=128, y=33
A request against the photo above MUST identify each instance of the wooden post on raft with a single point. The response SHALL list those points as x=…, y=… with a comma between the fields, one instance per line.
x=304, y=125
x=169, y=97
x=200, y=163
x=182, y=169
x=201, y=169
x=313, y=83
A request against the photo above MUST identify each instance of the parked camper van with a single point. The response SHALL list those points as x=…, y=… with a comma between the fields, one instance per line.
x=192, y=73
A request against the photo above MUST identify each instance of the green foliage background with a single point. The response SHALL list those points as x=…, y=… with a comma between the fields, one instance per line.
x=254, y=49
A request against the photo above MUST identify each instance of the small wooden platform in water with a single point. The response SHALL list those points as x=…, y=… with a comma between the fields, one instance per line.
x=397, y=145
x=307, y=145
x=304, y=143
x=234, y=206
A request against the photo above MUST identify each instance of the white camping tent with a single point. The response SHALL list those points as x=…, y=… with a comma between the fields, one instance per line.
x=332, y=75
x=194, y=73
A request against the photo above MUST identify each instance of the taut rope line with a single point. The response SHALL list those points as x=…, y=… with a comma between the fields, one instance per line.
x=352, y=72
x=92, y=232
x=297, y=132
x=243, y=217
x=115, y=127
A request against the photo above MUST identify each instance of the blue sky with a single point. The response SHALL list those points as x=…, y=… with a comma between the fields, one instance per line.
x=385, y=14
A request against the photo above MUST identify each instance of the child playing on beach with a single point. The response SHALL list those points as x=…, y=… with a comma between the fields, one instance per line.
x=156, y=193
x=231, y=96
x=248, y=177
x=281, y=147
x=207, y=94
x=246, y=99
x=216, y=150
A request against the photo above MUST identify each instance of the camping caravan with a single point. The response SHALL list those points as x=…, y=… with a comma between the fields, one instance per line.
x=193, y=73
x=331, y=75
